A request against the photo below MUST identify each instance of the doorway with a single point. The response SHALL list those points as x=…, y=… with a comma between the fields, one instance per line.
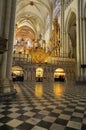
x=39, y=74
x=59, y=75
x=17, y=73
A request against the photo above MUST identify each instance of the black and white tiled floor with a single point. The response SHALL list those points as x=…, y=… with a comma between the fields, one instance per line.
x=44, y=106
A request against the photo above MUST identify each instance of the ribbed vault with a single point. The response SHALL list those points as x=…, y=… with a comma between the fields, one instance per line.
x=33, y=13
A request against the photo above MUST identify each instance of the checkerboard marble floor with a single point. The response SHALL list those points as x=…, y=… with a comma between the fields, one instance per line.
x=44, y=106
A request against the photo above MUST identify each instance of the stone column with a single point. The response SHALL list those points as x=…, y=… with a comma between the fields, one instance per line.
x=5, y=33
x=29, y=75
x=48, y=73
x=78, y=42
x=33, y=74
x=5, y=84
x=52, y=75
x=83, y=48
x=25, y=75
x=1, y=16
x=84, y=35
x=65, y=33
x=44, y=73
x=84, y=38
x=10, y=41
x=66, y=43
x=62, y=27
x=3, y=10
x=1, y=28
x=81, y=34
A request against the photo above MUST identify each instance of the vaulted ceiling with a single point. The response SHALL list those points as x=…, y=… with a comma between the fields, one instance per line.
x=36, y=15
x=32, y=15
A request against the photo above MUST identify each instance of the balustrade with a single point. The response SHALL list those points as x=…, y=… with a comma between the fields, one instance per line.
x=25, y=58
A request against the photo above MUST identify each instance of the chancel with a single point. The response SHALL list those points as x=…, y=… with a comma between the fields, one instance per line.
x=43, y=64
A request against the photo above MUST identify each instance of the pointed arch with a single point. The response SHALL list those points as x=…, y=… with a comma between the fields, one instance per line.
x=70, y=12
x=70, y=30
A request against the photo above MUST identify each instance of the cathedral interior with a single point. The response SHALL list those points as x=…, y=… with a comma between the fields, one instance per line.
x=42, y=64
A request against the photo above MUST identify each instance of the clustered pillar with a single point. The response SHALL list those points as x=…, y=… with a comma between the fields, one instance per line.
x=81, y=42
x=62, y=26
x=7, y=31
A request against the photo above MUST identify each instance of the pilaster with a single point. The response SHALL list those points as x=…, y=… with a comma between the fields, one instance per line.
x=11, y=39
x=5, y=84
x=5, y=33
x=62, y=26
x=78, y=42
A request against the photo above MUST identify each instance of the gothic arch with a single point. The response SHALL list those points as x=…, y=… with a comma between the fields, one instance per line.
x=68, y=18
x=71, y=33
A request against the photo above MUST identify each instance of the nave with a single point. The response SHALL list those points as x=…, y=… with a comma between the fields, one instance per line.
x=44, y=106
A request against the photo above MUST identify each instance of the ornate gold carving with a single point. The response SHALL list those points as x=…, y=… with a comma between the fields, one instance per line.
x=39, y=55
